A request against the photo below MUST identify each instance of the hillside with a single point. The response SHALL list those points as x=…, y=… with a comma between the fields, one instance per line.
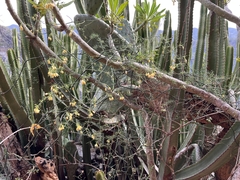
x=232, y=36
x=6, y=40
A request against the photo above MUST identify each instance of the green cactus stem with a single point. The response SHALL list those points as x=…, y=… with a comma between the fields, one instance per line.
x=95, y=32
x=199, y=56
x=92, y=6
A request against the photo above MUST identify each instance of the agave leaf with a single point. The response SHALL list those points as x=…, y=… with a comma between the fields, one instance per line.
x=223, y=152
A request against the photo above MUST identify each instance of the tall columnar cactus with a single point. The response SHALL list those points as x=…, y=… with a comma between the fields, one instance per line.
x=236, y=71
x=92, y=6
x=12, y=100
x=199, y=56
x=175, y=107
x=163, y=56
x=115, y=94
x=216, y=43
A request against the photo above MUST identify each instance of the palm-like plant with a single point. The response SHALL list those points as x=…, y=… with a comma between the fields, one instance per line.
x=149, y=15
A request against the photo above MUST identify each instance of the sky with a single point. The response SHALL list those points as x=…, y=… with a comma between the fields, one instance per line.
x=70, y=11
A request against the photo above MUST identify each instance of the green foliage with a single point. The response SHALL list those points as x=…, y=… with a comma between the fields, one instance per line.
x=163, y=58
x=42, y=6
x=92, y=6
x=149, y=15
x=122, y=116
x=116, y=11
x=199, y=56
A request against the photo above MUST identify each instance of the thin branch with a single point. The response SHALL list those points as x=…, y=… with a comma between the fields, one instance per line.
x=114, y=94
x=39, y=43
x=13, y=134
x=149, y=145
x=112, y=46
x=84, y=46
x=139, y=68
x=220, y=12
x=140, y=26
x=52, y=23
x=188, y=149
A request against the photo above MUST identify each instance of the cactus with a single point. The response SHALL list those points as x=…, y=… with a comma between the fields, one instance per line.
x=163, y=55
x=92, y=6
x=216, y=46
x=199, y=56
x=79, y=6
x=88, y=26
x=174, y=109
x=129, y=94
x=13, y=102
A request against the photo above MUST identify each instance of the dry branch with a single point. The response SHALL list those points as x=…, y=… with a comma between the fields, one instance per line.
x=139, y=68
x=220, y=12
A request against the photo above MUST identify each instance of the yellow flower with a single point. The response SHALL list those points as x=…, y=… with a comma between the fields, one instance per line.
x=35, y=6
x=78, y=128
x=64, y=51
x=73, y=103
x=49, y=5
x=52, y=74
x=83, y=82
x=121, y=98
x=76, y=113
x=34, y=126
x=48, y=61
x=54, y=89
x=49, y=38
x=61, y=127
x=53, y=67
x=70, y=33
x=151, y=75
x=50, y=98
x=111, y=98
x=21, y=28
x=36, y=109
x=92, y=136
x=69, y=116
x=90, y=114
x=172, y=67
x=64, y=60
